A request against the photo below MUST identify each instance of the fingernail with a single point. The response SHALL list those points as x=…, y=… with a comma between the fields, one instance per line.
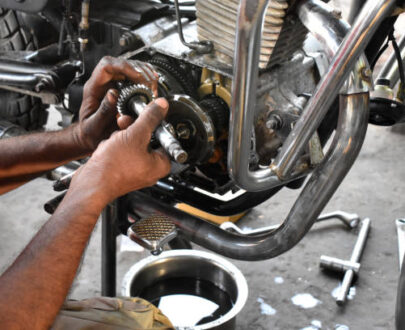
x=162, y=102
x=112, y=95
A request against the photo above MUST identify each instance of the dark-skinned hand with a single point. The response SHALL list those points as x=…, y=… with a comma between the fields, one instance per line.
x=124, y=162
x=97, y=117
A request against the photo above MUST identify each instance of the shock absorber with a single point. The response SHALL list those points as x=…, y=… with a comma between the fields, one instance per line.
x=132, y=101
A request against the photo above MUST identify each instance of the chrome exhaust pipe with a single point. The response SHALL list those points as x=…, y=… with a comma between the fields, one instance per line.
x=247, y=52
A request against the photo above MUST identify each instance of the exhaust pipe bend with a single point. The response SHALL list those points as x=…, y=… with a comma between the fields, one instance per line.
x=348, y=140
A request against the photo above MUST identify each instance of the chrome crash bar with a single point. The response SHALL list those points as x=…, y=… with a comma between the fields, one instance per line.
x=347, y=142
x=247, y=51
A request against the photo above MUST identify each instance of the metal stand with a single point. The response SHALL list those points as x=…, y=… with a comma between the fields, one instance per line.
x=114, y=222
x=109, y=251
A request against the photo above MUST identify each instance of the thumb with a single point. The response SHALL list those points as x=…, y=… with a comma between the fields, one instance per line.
x=150, y=118
x=124, y=121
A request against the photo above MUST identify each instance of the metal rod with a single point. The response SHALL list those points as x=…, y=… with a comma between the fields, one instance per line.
x=351, y=130
x=367, y=22
x=168, y=142
x=390, y=68
x=356, y=255
x=108, y=251
x=353, y=10
x=201, y=47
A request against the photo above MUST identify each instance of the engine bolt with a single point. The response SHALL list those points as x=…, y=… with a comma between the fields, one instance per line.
x=128, y=39
x=183, y=133
x=274, y=122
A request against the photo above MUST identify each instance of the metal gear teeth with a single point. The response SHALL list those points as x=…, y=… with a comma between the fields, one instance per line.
x=130, y=91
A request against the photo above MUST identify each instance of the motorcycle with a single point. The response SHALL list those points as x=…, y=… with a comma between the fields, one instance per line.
x=263, y=94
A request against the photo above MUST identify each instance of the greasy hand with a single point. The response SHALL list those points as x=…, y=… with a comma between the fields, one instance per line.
x=124, y=163
x=98, y=110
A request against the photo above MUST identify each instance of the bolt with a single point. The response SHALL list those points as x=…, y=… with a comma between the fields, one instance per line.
x=274, y=122
x=183, y=133
x=337, y=13
x=127, y=39
x=366, y=73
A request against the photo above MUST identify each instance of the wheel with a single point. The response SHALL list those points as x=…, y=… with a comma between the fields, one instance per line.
x=23, y=110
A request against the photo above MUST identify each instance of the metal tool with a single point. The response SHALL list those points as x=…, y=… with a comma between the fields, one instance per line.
x=51, y=206
x=351, y=220
x=153, y=232
x=350, y=267
x=133, y=99
x=400, y=223
x=64, y=182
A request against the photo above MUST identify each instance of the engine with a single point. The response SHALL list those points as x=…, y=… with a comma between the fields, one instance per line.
x=198, y=85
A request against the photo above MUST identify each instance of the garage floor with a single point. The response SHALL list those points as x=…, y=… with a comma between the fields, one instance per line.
x=374, y=188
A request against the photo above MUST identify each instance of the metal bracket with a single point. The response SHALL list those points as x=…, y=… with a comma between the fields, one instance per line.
x=46, y=97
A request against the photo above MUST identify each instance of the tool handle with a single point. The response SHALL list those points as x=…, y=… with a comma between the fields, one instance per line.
x=344, y=289
x=361, y=240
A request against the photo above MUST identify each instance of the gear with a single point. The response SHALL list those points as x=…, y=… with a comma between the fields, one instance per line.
x=217, y=110
x=178, y=80
x=129, y=92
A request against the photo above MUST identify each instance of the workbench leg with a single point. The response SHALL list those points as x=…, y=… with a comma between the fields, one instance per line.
x=108, y=252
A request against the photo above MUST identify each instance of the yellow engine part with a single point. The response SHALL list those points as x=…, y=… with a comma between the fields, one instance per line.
x=213, y=83
x=208, y=216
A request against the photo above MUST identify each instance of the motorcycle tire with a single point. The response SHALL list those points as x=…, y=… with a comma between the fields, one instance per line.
x=20, y=109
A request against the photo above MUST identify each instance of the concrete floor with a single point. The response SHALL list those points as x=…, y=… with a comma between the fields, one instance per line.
x=374, y=188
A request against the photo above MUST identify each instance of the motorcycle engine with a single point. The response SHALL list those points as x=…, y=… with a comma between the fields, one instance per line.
x=198, y=86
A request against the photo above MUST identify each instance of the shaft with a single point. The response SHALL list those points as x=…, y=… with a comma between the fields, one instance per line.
x=165, y=138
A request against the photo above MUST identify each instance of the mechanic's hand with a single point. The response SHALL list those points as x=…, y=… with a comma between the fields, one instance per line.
x=124, y=162
x=97, y=117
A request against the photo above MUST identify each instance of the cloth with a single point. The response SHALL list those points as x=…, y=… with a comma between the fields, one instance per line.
x=105, y=313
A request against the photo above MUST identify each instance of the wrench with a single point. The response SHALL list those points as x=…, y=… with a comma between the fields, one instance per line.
x=351, y=220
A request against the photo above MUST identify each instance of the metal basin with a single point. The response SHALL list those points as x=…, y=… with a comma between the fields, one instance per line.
x=171, y=279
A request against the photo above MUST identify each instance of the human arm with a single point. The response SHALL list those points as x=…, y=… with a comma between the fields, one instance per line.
x=26, y=157
x=33, y=289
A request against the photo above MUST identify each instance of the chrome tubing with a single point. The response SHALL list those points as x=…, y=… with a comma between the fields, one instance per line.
x=367, y=22
x=351, y=130
x=246, y=72
x=330, y=31
x=390, y=68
